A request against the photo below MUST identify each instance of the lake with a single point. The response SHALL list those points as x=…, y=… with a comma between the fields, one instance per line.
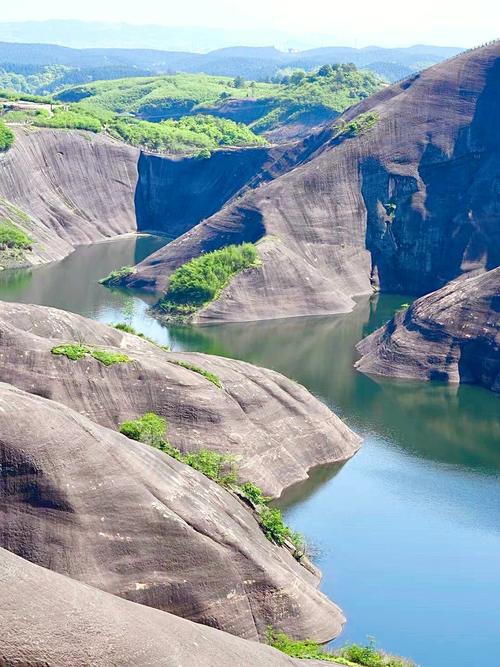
x=407, y=533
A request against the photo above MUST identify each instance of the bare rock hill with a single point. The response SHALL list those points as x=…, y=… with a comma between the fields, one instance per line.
x=124, y=517
x=273, y=426
x=405, y=204
x=452, y=334
x=72, y=624
x=67, y=188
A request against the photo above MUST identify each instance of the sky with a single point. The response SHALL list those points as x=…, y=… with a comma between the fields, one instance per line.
x=359, y=23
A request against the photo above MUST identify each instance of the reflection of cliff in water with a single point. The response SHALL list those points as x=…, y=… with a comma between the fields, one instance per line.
x=443, y=423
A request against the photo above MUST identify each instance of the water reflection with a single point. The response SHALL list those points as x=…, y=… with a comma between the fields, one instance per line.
x=407, y=531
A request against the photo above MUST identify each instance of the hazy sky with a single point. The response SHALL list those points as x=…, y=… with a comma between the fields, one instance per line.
x=354, y=23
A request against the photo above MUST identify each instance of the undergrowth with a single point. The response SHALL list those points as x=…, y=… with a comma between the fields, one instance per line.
x=353, y=655
x=201, y=280
x=221, y=468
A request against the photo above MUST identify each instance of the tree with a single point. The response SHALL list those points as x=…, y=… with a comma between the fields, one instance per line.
x=239, y=82
x=325, y=70
x=297, y=77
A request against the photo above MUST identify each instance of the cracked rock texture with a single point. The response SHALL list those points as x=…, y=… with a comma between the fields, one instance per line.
x=452, y=334
x=72, y=188
x=405, y=206
x=273, y=426
x=73, y=624
x=121, y=516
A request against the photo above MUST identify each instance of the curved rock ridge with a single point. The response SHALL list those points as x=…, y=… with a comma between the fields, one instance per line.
x=452, y=334
x=126, y=518
x=406, y=205
x=73, y=187
x=71, y=624
x=273, y=426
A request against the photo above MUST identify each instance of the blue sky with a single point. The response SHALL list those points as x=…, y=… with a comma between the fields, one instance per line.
x=359, y=23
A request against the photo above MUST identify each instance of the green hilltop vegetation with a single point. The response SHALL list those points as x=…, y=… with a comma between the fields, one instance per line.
x=189, y=113
x=197, y=134
x=331, y=88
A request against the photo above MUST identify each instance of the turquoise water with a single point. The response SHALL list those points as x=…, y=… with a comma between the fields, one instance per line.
x=407, y=533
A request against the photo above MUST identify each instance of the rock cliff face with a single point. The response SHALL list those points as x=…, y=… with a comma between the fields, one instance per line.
x=74, y=624
x=70, y=188
x=88, y=502
x=404, y=205
x=274, y=427
x=452, y=334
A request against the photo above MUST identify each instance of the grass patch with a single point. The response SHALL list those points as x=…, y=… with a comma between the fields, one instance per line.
x=73, y=351
x=201, y=280
x=152, y=430
x=76, y=351
x=6, y=137
x=358, y=125
x=115, y=278
x=214, y=379
x=353, y=655
x=13, y=237
x=109, y=358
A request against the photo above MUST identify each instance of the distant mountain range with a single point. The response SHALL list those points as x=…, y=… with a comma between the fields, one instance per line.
x=248, y=61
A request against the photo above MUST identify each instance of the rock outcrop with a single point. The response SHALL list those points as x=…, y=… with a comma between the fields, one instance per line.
x=74, y=624
x=404, y=204
x=272, y=425
x=452, y=334
x=121, y=516
x=67, y=188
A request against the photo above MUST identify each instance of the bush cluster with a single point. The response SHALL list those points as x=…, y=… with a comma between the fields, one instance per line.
x=114, y=278
x=152, y=430
x=200, y=280
x=351, y=655
x=13, y=237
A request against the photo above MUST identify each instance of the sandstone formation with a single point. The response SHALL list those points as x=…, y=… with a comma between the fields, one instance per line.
x=452, y=334
x=74, y=624
x=274, y=427
x=67, y=188
x=405, y=205
x=87, y=502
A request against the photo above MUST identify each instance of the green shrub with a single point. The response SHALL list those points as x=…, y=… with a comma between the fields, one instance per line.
x=6, y=137
x=219, y=467
x=115, y=277
x=201, y=280
x=150, y=429
x=13, y=237
x=196, y=369
x=76, y=351
x=353, y=655
x=253, y=493
x=273, y=525
x=358, y=125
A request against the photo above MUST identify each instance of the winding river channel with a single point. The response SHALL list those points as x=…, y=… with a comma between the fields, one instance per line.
x=407, y=533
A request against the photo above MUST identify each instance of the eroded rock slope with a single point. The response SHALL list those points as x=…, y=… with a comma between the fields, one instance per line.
x=274, y=427
x=404, y=205
x=67, y=188
x=452, y=334
x=124, y=517
x=74, y=624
